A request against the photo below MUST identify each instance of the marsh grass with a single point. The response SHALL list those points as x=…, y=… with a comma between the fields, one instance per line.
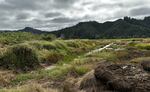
x=106, y=55
x=58, y=52
x=140, y=59
x=19, y=57
x=34, y=87
x=145, y=46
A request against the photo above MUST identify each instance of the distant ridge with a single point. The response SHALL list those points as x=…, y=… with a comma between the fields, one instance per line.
x=32, y=30
x=121, y=28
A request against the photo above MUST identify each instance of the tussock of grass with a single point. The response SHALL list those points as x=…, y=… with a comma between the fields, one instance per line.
x=81, y=70
x=145, y=46
x=53, y=45
x=140, y=59
x=48, y=37
x=86, y=60
x=51, y=57
x=19, y=57
x=108, y=56
x=43, y=45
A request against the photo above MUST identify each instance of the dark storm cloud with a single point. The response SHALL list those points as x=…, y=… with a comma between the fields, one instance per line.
x=55, y=14
x=140, y=11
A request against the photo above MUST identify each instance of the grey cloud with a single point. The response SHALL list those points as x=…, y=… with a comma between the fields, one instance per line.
x=60, y=4
x=52, y=14
x=63, y=20
x=107, y=6
x=140, y=11
x=21, y=4
x=22, y=16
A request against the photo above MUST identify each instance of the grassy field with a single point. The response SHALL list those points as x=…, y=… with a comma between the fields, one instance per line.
x=48, y=62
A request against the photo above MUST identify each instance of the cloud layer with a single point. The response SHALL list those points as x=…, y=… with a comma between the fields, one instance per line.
x=55, y=14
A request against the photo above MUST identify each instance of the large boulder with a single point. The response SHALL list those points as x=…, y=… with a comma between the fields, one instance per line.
x=110, y=77
x=123, y=77
x=146, y=65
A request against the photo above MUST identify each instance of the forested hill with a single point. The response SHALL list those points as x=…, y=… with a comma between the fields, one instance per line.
x=122, y=28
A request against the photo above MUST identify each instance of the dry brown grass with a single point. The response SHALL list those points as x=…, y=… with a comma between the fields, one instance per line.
x=5, y=78
x=29, y=88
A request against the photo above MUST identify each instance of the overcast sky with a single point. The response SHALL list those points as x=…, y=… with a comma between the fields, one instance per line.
x=55, y=14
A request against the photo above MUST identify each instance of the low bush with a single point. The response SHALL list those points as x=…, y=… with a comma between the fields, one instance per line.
x=48, y=37
x=52, y=57
x=20, y=57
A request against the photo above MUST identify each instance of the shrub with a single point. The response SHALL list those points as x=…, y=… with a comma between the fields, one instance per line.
x=48, y=46
x=52, y=57
x=60, y=45
x=48, y=37
x=20, y=57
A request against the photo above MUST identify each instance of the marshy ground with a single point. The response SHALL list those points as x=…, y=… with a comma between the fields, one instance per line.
x=37, y=63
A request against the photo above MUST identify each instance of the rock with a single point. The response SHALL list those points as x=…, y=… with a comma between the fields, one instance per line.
x=146, y=65
x=123, y=77
x=89, y=84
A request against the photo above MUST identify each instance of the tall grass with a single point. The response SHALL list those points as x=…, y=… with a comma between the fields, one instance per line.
x=34, y=87
x=19, y=57
x=145, y=46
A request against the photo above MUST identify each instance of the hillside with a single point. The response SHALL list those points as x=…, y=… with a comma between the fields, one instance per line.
x=121, y=28
x=32, y=30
